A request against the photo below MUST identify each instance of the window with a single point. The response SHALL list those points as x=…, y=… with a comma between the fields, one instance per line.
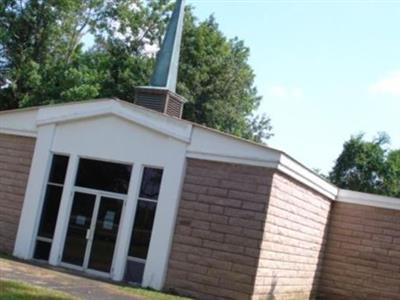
x=144, y=220
x=106, y=176
x=51, y=205
x=143, y=226
x=151, y=182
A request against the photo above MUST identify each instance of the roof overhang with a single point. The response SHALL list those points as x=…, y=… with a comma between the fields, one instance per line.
x=202, y=142
x=213, y=145
x=20, y=122
x=353, y=197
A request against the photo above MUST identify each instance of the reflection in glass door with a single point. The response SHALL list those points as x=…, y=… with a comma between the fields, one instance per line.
x=105, y=234
x=92, y=232
x=80, y=222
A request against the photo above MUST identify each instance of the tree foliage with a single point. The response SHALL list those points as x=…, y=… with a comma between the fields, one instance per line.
x=368, y=166
x=40, y=44
x=43, y=59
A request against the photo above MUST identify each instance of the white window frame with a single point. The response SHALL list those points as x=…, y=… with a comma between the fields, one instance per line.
x=138, y=198
x=46, y=183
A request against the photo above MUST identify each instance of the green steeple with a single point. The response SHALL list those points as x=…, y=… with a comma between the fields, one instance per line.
x=165, y=74
x=160, y=95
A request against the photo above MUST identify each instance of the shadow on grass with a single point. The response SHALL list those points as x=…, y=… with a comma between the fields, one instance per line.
x=15, y=290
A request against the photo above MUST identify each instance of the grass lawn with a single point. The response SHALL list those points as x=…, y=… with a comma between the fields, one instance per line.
x=3, y=255
x=15, y=290
x=149, y=294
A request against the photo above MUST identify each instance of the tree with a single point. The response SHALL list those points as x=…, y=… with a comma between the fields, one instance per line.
x=40, y=49
x=44, y=60
x=214, y=72
x=368, y=166
x=125, y=31
x=218, y=81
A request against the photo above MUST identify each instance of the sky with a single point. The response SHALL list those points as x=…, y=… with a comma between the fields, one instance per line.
x=326, y=69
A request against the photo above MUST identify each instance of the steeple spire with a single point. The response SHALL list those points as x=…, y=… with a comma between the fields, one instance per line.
x=166, y=69
x=160, y=95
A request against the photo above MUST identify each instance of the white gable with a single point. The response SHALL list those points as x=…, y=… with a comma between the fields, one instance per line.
x=132, y=113
x=110, y=137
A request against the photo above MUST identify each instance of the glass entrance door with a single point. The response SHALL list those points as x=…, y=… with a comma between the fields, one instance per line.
x=78, y=234
x=105, y=234
x=92, y=232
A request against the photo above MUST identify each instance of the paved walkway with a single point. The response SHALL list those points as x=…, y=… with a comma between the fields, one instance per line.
x=78, y=286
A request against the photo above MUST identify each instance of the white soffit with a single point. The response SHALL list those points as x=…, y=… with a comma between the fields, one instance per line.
x=213, y=145
x=296, y=170
x=19, y=122
x=352, y=197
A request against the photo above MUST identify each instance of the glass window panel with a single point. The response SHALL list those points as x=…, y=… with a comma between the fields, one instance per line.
x=151, y=182
x=134, y=272
x=42, y=250
x=142, y=228
x=50, y=209
x=104, y=176
x=58, y=169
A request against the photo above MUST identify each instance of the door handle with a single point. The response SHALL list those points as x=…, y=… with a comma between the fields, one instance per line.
x=88, y=234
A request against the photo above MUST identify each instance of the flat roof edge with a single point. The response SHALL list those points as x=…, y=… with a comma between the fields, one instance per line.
x=353, y=197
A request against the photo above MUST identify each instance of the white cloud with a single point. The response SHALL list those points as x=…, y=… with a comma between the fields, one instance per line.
x=282, y=91
x=390, y=85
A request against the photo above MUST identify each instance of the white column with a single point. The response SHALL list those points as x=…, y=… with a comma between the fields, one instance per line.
x=64, y=211
x=126, y=225
x=33, y=200
x=164, y=225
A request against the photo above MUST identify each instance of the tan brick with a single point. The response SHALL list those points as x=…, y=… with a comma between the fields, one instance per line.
x=244, y=214
x=213, y=191
x=195, y=206
x=216, y=209
x=209, y=262
x=222, y=201
x=200, y=224
x=207, y=235
x=209, y=231
x=222, y=228
x=252, y=224
x=237, y=240
x=366, y=269
x=247, y=196
x=293, y=240
x=231, y=276
x=260, y=207
x=188, y=240
x=15, y=159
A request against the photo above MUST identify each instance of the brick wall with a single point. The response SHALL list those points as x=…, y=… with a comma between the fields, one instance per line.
x=293, y=243
x=362, y=259
x=219, y=231
x=15, y=161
